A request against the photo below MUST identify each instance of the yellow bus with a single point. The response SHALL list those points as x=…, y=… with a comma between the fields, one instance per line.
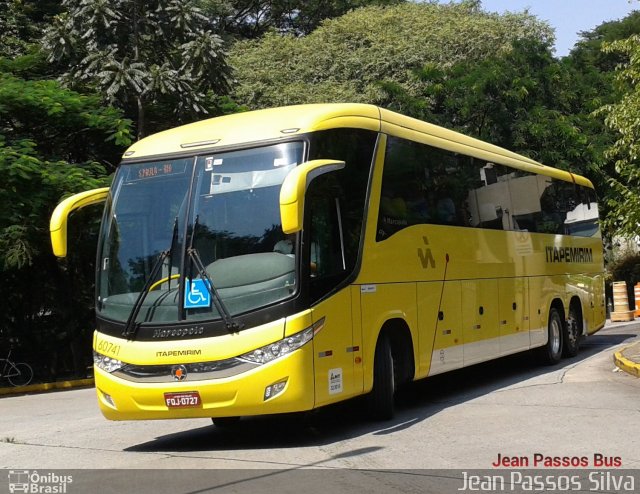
x=285, y=259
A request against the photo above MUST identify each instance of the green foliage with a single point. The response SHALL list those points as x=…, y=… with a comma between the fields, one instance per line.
x=21, y=23
x=345, y=58
x=55, y=134
x=140, y=54
x=594, y=80
x=13, y=25
x=53, y=142
x=588, y=50
x=624, y=118
x=61, y=121
x=251, y=19
x=625, y=268
x=522, y=99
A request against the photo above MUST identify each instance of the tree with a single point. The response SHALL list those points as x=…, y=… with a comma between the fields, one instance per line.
x=345, y=58
x=588, y=50
x=21, y=23
x=602, y=91
x=53, y=142
x=251, y=19
x=522, y=99
x=624, y=118
x=142, y=56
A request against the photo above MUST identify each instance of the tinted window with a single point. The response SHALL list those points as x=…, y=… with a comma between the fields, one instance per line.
x=582, y=220
x=426, y=185
x=335, y=206
x=490, y=201
x=422, y=184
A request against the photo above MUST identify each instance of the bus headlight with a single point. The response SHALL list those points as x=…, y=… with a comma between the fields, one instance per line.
x=283, y=347
x=105, y=363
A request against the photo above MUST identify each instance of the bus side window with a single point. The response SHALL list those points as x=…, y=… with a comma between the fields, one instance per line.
x=556, y=201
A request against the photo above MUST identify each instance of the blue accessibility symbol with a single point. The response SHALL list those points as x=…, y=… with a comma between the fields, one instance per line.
x=196, y=295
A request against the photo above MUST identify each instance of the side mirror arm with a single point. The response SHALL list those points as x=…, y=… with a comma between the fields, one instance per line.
x=60, y=216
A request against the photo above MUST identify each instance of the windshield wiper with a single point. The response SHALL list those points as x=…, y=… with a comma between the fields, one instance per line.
x=230, y=323
x=192, y=252
x=131, y=328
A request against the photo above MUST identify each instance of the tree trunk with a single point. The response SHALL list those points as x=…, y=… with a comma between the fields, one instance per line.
x=141, y=118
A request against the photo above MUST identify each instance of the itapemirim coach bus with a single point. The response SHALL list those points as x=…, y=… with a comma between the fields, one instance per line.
x=281, y=260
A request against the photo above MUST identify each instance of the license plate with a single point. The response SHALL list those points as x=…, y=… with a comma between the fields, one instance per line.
x=187, y=399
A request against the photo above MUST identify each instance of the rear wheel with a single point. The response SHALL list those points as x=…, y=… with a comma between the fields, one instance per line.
x=381, y=403
x=572, y=333
x=20, y=375
x=552, y=351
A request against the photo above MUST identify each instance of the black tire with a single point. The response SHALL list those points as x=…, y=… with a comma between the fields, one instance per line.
x=24, y=374
x=225, y=422
x=381, y=402
x=552, y=351
x=572, y=333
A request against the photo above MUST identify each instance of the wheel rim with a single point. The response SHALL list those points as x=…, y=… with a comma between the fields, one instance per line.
x=554, y=334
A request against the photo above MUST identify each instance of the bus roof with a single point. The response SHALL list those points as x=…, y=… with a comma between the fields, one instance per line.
x=282, y=123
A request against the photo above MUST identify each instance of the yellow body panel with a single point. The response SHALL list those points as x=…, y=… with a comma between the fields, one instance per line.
x=334, y=350
x=465, y=294
x=513, y=315
x=381, y=303
x=440, y=327
x=479, y=320
x=193, y=350
x=256, y=126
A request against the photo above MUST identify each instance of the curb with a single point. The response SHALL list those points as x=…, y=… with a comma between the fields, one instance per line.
x=625, y=364
x=41, y=388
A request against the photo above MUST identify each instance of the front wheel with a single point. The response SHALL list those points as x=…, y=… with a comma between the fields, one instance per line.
x=381, y=403
x=20, y=375
x=552, y=351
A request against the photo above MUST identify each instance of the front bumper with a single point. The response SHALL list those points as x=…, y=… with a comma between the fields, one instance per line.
x=243, y=394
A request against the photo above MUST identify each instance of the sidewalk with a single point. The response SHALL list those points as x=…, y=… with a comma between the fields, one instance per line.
x=41, y=388
x=627, y=358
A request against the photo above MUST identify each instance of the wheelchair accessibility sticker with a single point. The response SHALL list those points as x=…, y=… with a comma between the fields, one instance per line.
x=196, y=294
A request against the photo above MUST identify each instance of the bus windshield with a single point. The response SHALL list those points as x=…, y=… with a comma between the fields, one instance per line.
x=223, y=206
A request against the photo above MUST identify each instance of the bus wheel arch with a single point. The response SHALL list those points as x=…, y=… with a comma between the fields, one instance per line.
x=572, y=329
x=393, y=365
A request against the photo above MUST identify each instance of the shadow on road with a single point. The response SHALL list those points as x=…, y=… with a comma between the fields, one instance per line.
x=414, y=403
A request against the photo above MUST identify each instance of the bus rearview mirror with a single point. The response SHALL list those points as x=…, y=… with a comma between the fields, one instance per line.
x=60, y=216
x=294, y=188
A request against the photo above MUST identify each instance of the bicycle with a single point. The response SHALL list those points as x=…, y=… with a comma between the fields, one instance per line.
x=18, y=374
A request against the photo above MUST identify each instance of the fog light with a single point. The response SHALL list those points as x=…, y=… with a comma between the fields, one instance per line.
x=107, y=398
x=274, y=389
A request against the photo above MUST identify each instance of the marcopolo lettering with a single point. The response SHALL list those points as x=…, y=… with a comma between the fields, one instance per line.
x=569, y=254
x=179, y=332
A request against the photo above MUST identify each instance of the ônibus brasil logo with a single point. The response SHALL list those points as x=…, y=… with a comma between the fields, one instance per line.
x=34, y=482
